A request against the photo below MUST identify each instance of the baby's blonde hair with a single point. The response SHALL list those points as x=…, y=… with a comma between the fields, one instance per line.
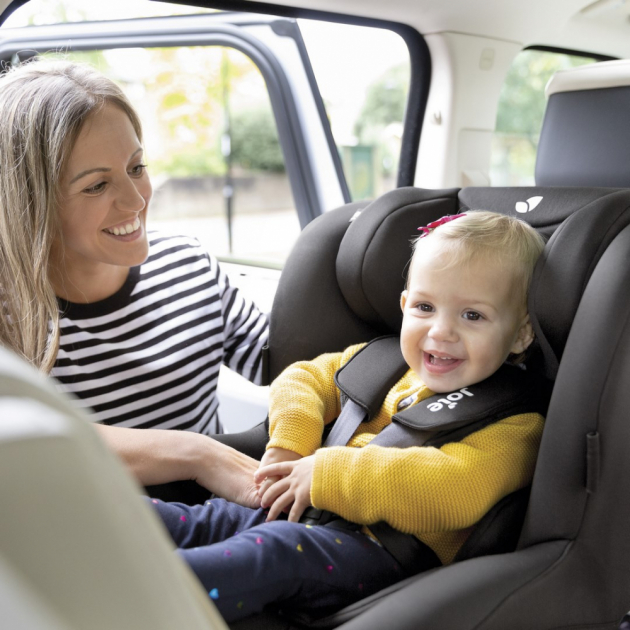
x=481, y=234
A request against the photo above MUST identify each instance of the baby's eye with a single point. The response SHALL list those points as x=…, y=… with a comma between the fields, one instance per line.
x=425, y=308
x=97, y=188
x=473, y=316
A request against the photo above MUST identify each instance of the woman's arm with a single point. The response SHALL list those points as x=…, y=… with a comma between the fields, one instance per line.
x=156, y=456
x=245, y=329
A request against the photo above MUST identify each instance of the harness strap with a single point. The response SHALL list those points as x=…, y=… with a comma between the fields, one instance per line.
x=351, y=416
x=411, y=554
x=364, y=382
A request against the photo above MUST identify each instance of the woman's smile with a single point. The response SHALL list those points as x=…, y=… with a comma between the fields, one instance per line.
x=126, y=231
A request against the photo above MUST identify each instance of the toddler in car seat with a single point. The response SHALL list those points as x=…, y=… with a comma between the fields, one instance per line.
x=464, y=316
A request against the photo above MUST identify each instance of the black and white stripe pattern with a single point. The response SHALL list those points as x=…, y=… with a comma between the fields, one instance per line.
x=149, y=356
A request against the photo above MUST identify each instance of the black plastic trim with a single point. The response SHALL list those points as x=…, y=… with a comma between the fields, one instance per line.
x=574, y=53
x=13, y=6
x=291, y=29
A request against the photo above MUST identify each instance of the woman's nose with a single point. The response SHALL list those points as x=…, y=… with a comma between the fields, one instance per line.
x=129, y=198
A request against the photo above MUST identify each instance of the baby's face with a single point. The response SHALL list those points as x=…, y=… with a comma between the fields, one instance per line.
x=460, y=323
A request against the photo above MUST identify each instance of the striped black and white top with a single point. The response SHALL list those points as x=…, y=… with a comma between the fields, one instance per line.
x=149, y=355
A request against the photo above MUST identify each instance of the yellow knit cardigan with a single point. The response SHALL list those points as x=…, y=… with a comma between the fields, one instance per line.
x=435, y=494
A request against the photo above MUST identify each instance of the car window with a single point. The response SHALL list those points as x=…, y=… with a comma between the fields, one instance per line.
x=520, y=114
x=211, y=133
x=363, y=75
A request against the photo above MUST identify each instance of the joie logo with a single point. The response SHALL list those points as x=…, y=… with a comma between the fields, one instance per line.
x=529, y=205
x=450, y=401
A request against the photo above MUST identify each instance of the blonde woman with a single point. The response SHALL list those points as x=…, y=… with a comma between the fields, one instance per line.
x=134, y=325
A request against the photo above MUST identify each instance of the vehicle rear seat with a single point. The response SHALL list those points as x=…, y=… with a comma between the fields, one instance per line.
x=584, y=139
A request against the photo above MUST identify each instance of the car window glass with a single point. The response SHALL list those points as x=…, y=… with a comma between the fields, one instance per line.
x=363, y=75
x=520, y=114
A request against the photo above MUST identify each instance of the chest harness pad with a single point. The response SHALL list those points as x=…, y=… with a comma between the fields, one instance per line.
x=365, y=381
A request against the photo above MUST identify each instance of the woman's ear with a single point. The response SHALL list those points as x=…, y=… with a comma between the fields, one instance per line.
x=524, y=337
x=403, y=300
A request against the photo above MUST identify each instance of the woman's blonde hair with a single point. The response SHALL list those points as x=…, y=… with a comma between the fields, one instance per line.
x=43, y=107
x=480, y=234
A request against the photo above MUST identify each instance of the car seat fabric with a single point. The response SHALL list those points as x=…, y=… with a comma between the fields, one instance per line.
x=584, y=139
x=501, y=591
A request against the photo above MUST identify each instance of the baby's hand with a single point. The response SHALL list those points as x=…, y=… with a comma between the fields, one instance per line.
x=275, y=455
x=293, y=488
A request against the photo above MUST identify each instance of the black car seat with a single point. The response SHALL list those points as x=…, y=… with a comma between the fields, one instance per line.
x=341, y=285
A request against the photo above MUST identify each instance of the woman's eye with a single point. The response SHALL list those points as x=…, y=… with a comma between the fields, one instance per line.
x=137, y=170
x=97, y=188
x=472, y=316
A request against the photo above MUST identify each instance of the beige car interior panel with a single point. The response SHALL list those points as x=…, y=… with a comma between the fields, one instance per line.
x=78, y=547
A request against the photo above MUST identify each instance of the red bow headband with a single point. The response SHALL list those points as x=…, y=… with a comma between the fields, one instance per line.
x=435, y=224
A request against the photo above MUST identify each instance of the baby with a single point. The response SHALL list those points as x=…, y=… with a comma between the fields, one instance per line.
x=464, y=316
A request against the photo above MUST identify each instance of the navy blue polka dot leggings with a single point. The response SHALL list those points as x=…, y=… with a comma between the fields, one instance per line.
x=245, y=564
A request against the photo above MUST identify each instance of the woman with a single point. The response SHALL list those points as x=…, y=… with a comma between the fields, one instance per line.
x=134, y=325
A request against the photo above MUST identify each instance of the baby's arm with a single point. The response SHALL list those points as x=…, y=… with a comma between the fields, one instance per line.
x=274, y=455
x=303, y=399
x=425, y=489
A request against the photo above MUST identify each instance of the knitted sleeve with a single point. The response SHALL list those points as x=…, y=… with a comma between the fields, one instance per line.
x=425, y=489
x=303, y=399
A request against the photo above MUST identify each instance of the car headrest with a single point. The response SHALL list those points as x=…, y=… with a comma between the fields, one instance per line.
x=375, y=250
x=585, y=137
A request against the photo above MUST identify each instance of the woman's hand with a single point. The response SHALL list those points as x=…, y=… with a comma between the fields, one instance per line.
x=294, y=489
x=228, y=473
x=156, y=456
x=275, y=455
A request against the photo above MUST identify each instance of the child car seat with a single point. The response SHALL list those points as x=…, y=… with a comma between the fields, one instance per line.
x=571, y=567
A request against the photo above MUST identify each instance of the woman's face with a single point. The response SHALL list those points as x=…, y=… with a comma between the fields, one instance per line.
x=105, y=193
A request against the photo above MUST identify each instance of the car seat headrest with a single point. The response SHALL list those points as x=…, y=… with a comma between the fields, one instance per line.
x=565, y=268
x=582, y=222
x=585, y=137
x=375, y=251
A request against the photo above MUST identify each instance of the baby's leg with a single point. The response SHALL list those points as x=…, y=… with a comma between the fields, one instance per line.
x=214, y=521
x=299, y=566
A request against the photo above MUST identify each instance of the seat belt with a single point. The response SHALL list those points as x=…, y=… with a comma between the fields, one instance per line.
x=411, y=554
x=348, y=421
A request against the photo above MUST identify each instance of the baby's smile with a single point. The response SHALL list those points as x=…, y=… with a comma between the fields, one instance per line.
x=440, y=363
